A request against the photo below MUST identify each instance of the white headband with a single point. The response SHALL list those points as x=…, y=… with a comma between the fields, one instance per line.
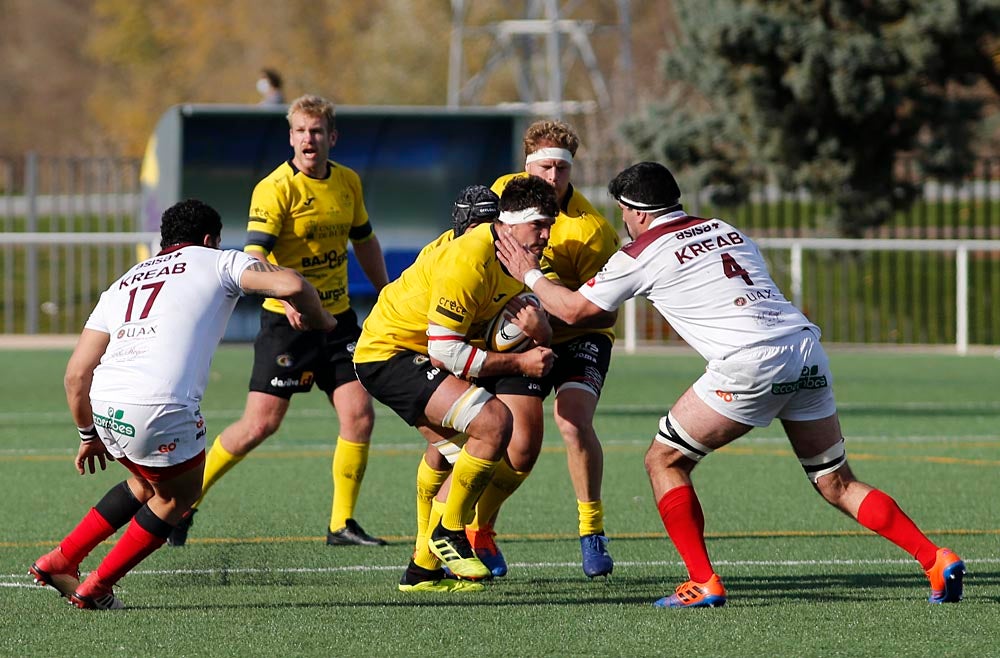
x=522, y=216
x=549, y=154
x=646, y=207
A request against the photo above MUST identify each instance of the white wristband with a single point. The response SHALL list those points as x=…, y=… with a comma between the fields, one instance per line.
x=87, y=434
x=531, y=277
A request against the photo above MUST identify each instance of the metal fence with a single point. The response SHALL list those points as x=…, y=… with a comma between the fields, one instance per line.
x=863, y=295
x=47, y=289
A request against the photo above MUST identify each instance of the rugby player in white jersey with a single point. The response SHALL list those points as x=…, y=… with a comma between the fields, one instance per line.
x=765, y=361
x=134, y=386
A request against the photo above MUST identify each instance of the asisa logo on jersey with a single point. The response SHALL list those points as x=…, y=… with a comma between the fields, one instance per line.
x=686, y=233
x=113, y=421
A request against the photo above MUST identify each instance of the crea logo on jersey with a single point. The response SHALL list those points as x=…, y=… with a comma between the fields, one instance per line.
x=113, y=421
x=291, y=382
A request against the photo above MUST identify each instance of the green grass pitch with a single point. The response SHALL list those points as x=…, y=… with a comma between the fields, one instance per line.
x=257, y=579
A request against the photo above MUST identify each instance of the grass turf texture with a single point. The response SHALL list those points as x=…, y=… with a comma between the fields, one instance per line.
x=257, y=579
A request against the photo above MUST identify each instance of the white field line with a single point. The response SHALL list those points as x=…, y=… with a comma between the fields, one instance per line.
x=18, y=580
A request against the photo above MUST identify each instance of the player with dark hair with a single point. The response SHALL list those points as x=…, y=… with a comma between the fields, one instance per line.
x=765, y=361
x=134, y=386
x=477, y=204
x=415, y=356
x=302, y=215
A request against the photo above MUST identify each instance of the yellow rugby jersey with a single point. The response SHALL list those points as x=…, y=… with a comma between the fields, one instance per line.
x=444, y=238
x=580, y=243
x=304, y=224
x=460, y=285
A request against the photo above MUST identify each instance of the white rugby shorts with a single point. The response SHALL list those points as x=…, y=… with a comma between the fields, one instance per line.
x=157, y=435
x=787, y=377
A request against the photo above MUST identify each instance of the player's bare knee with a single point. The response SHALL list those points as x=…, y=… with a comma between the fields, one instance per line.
x=495, y=425
x=357, y=427
x=522, y=460
x=141, y=489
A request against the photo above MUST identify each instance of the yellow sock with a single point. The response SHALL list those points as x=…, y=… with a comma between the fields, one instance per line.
x=422, y=556
x=349, y=463
x=429, y=481
x=218, y=461
x=504, y=483
x=469, y=477
x=591, y=517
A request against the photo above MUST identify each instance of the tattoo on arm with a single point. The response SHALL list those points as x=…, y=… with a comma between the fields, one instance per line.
x=263, y=266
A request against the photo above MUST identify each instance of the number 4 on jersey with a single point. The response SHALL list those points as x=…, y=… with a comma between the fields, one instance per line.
x=732, y=269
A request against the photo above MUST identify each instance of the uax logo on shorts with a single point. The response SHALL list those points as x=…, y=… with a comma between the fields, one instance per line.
x=113, y=421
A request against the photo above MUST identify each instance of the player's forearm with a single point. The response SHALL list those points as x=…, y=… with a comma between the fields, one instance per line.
x=372, y=262
x=570, y=307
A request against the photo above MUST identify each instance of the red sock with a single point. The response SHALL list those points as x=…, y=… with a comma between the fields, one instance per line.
x=685, y=523
x=91, y=531
x=880, y=513
x=133, y=547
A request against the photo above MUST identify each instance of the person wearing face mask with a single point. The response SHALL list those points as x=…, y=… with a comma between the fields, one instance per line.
x=269, y=88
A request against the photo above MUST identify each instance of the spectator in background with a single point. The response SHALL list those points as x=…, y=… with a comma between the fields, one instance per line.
x=269, y=87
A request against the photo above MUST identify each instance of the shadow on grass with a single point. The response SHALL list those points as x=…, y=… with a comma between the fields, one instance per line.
x=752, y=591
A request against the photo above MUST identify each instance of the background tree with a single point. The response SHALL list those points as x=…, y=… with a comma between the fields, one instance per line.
x=824, y=95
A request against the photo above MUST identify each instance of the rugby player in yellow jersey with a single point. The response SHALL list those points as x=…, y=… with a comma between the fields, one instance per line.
x=415, y=356
x=302, y=216
x=580, y=243
x=522, y=395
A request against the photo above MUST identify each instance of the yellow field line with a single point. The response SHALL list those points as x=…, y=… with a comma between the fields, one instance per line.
x=750, y=534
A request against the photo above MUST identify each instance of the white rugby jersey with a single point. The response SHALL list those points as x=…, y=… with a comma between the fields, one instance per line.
x=706, y=278
x=166, y=317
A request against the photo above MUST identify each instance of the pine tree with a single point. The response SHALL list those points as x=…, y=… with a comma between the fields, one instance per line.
x=824, y=95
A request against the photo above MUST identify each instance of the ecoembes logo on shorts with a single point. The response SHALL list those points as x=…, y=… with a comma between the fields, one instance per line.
x=113, y=422
x=808, y=380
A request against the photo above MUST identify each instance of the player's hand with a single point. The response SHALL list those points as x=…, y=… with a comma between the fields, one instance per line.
x=515, y=257
x=533, y=321
x=294, y=317
x=536, y=362
x=88, y=452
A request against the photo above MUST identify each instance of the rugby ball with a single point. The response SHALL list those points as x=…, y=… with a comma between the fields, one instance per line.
x=502, y=335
